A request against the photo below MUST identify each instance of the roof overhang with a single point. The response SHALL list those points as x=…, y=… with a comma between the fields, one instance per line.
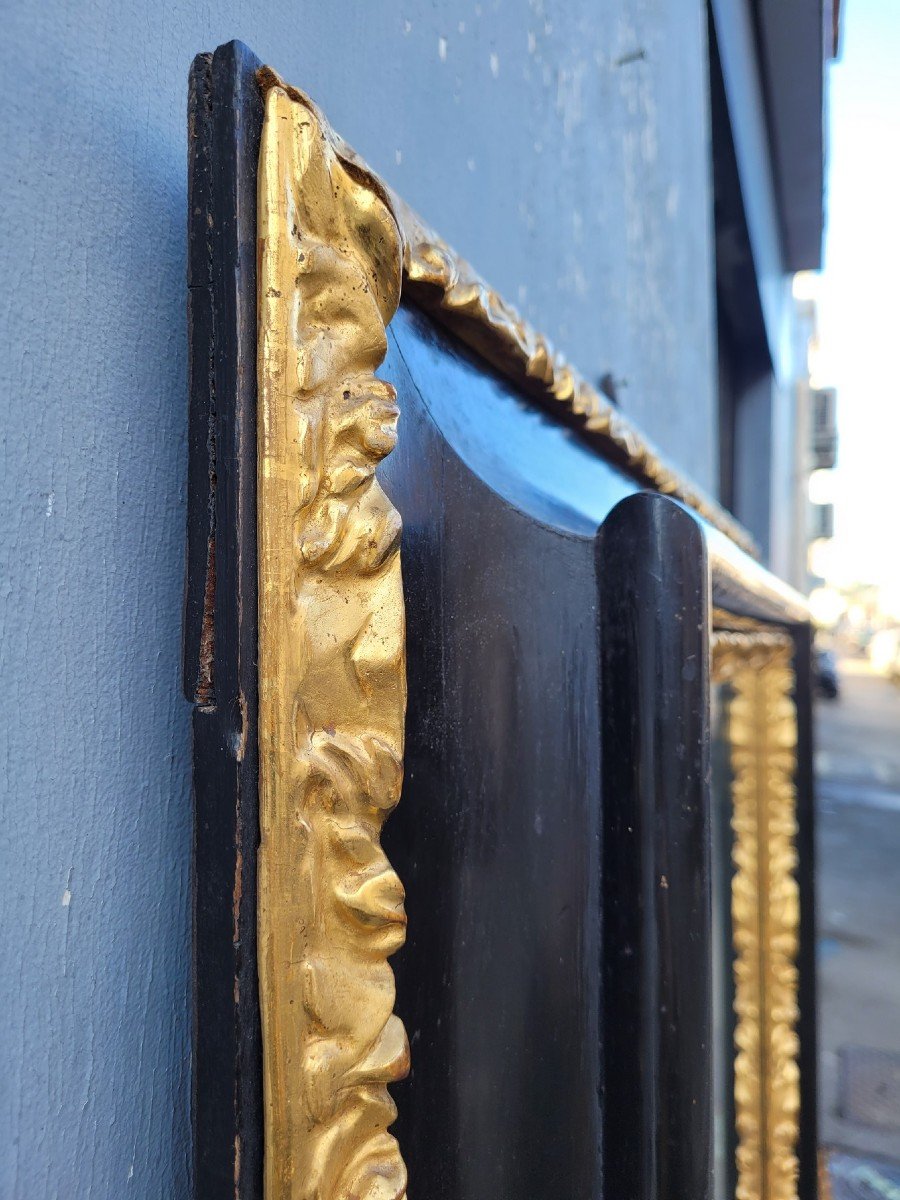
x=794, y=37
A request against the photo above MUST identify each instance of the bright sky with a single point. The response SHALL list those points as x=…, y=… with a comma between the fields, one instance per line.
x=859, y=304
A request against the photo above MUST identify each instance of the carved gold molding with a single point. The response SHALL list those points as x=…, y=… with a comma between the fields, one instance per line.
x=725, y=622
x=445, y=284
x=762, y=731
x=332, y=686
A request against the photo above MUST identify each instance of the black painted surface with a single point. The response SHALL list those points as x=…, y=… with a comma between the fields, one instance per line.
x=225, y=115
x=496, y=837
x=657, y=1021
x=808, y=1147
x=199, y=542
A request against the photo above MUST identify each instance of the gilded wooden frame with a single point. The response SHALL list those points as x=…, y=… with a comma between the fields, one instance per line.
x=762, y=741
x=332, y=685
x=335, y=247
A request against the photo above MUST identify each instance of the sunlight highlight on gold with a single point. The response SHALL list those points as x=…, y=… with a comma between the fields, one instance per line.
x=762, y=731
x=332, y=684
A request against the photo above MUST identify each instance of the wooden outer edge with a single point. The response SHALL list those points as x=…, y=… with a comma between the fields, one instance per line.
x=220, y=674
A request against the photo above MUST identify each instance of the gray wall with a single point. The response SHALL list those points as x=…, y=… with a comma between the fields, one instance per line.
x=571, y=168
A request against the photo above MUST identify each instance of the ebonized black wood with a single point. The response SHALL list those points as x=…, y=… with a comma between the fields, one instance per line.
x=496, y=837
x=220, y=674
x=657, y=937
x=808, y=1147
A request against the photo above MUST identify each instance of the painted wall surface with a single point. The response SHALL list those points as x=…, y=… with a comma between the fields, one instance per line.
x=561, y=146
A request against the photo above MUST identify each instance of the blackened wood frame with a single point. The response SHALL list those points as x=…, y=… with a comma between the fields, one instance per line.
x=220, y=641
x=657, y=936
x=220, y=625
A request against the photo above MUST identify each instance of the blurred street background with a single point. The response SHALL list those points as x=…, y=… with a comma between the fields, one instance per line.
x=858, y=764
x=854, y=588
